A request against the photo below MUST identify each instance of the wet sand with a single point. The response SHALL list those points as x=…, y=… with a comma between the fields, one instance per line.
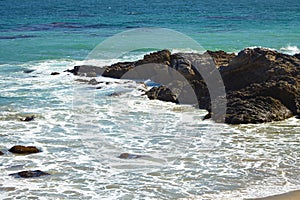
x=293, y=195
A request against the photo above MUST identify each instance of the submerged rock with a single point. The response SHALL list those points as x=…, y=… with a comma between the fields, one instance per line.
x=28, y=118
x=129, y=156
x=29, y=174
x=28, y=71
x=18, y=149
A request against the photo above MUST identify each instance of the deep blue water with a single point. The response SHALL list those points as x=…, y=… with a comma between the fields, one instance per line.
x=35, y=30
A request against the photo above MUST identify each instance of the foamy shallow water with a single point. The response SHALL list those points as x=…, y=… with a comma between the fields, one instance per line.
x=82, y=130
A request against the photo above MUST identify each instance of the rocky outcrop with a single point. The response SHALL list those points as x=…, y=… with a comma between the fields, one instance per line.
x=29, y=174
x=117, y=70
x=18, y=149
x=221, y=58
x=261, y=85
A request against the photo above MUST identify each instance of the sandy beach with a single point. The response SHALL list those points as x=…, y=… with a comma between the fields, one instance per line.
x=293, y=195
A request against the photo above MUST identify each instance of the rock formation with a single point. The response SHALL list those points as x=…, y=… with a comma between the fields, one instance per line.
x=261, y=85
x=18, y=149
x=29, y=174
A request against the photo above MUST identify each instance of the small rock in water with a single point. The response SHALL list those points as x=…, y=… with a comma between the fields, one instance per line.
x=28, y=118
x=207, y=116
x=27, y=71
x=55, y=73
x=24, y=150
x=1, y=153
x=115, y=94
x=129, y=156
x=29, y=174
x=93, y=82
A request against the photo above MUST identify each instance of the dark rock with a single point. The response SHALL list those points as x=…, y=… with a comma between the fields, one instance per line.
x=129, y=156
x=54, y=73
x=162, y=56
x=255, y=110
x=98, y=88
x=261, y=85
x=74, y=70
x=28, y=71
x=298, y=117
x=18, y=149
x=1, y=153
x=29, y=174
x=207, y=116
x=162, y=93
x=117, y=70
x=28, y=118
x=221, y=58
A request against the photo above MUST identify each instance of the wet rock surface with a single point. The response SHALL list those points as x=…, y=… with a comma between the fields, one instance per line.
x=27, y=118
x=162, y=93
x=1, y=153
x=19, y=149
x=29, y=174
x=261, y=85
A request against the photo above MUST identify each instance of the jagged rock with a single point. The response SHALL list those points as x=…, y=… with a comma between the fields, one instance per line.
x=29, y=174
x=18, y=149
x=162, y=56
x=221, y=58
x=117, y=70
x=261, y=85
x=54, y=73
x=255, y=110
x=257, y=75
x=162, y=93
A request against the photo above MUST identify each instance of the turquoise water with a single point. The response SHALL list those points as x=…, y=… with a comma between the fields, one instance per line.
x=63, y=29
x=82, y=130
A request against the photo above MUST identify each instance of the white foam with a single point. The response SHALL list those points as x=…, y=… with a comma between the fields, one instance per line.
x=289, y=49
x=189, y=158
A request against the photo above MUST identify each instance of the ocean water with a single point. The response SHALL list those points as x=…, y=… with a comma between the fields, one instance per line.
x=81, y=138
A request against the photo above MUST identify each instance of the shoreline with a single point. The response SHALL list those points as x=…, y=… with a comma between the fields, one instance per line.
x=292, y=195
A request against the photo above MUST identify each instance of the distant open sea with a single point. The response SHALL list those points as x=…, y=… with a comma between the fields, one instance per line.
x=35, y=30
x=186, y=159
